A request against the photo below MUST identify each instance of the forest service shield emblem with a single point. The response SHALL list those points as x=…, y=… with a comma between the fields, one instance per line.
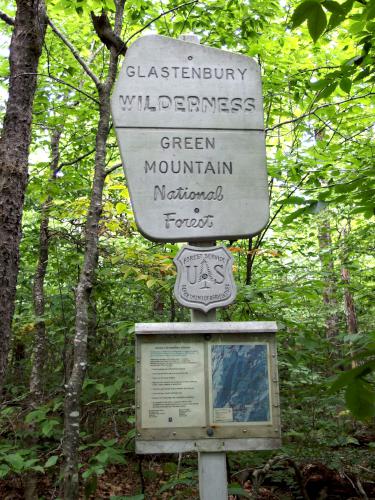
x=204, y=277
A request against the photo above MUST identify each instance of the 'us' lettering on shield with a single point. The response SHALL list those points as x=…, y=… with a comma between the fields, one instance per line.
x=204, y=277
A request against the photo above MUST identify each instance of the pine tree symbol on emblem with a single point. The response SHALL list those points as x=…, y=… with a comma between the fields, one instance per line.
x=205, y=275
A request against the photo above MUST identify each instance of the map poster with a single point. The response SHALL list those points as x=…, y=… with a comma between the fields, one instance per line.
x=172, y=385
x=240, y=386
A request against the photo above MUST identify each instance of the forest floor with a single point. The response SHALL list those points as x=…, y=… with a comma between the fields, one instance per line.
x=165, y=478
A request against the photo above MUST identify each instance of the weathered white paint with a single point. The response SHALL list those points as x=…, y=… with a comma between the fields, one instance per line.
x=209, y=445
x=211, y=327
x=189, y=122
x=212, y=470
x=157, y=66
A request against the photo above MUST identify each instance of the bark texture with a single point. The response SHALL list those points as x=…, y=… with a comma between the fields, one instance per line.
x=249, y=261
x=39, y=349
x=25, y=50
x=328, y=271
x=72, y=410
x=350, y=310
x=349, y=304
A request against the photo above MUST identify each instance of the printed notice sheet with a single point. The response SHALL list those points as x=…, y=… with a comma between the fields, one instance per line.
x=240, y=383
x=172, y=385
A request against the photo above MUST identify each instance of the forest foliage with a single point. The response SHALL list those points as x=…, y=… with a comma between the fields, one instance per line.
x=311, y=269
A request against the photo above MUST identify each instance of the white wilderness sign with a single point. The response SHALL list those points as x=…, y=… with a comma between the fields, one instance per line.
x=189, y=122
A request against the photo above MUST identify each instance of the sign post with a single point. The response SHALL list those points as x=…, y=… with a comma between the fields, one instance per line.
x=189, y=123
x=212, y=466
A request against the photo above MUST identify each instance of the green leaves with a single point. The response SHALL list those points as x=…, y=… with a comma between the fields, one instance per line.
x=327, y=91
x=333, y=7
x=316, y=21
x=359, y=392
x=318, y=150
x=46, y=423
x=51, y=461
x=111, y=453
x=345, y=84
x=109, y=390
x=236, y=489
x=311, y=207
x=18, y=461
x=302, y=12
x=121, y=207
x=313, y=12
x=360, y=398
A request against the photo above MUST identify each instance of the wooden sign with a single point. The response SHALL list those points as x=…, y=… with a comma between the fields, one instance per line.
x=204, y=277
x=206, y=387
x=189, y=122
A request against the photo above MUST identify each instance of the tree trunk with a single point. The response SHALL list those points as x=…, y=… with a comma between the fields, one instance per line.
x=350, y=310
x=86, y=281
x=172, y=314
x=39, y=348
x=249, y=261
x=329, y=292
x=25, y=50
x=38, y=289
x=83, y=292
x=349, y=305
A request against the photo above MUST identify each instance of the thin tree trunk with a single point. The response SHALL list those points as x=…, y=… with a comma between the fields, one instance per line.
x=327, y=264
x=39, y=349
x=36, y=391
x=83, y=292
x=72, y=410
x=350, y=310
x=25, y=50
x=249, y=261
x=39, y=307
x=349, y=305
x=172, y=314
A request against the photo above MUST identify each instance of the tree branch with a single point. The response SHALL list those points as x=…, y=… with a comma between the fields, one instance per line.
x=9, y=20
x=261, y=235
x=114, y=52
x=63, y=82
x=67, y=163
x=112, y=169
x=311, y=112
x=357, y=133
x=75, y=53
x=329, y=186
x=335, y=131
x=158, y=17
